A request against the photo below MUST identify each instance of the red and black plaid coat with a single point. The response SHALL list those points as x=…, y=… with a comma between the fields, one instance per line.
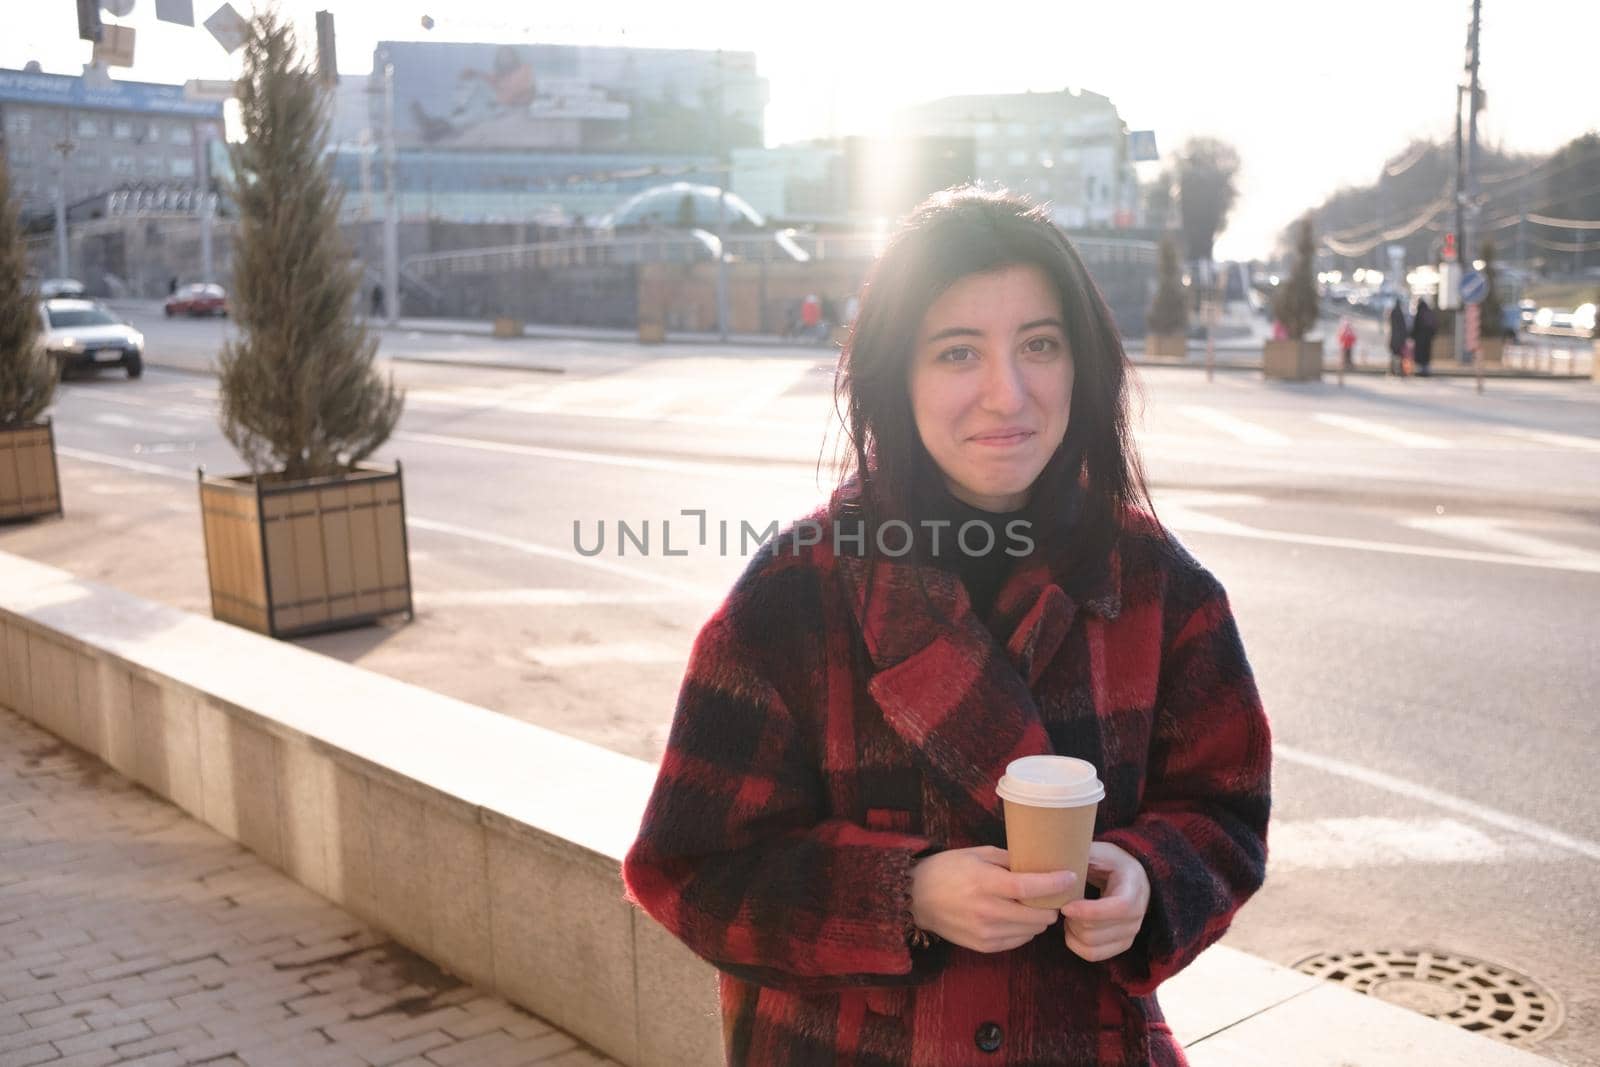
x=820, y=747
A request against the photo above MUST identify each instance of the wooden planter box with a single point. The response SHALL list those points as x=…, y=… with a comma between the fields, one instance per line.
x=508, y=327
x=652, y=331
x=1166, y=345
x=1492, y=350
x=292, y=558
x=30, y=486
x=1293, y=361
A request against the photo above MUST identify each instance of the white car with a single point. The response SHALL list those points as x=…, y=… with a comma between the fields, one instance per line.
x=82, y=335
x=51, y=288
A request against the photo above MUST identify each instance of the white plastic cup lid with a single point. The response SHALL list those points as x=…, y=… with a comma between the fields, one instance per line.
x=1051, y=782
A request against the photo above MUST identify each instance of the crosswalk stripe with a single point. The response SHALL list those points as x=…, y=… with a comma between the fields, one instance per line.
x=1248, y=432
x=1555, y=440
x=1527, y=828
x=1373, y=841
x=1381, y=431
x=1491, y=532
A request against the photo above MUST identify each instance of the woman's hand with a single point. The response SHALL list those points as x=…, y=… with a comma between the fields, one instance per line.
x=971, y=897
x=1100, y=929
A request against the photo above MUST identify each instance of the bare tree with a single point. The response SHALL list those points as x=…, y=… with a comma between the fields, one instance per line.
x=1207, y=171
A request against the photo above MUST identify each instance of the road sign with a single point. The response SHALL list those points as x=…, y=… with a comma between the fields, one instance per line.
x=1142, y=146
x=210, y=89
x=1474, y=287
x=115, y=46
x=228, y=27
x=1449, y=285
x=180, y=12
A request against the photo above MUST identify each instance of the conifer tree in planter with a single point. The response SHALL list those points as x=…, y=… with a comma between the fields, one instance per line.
x=29, y=484
x=312, y=538
x=1295, y=306
x=1168, y=318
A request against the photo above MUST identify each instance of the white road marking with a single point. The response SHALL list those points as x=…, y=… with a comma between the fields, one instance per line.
x=174, y=409
x=650, y=406
x=1554, y=440
x=704, y=470
x=125, y=464
x=568, y=555
x=1461, y=806
x=1248, y=432
x=1184, y=520
x=1491, y=532
x=755, y=401
x=1372, y=841
x=1381, y=431
x=614, y=652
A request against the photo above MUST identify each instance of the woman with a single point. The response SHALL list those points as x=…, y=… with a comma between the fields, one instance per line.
x=1399, y=333
x=1424, y=324
x=825, y=828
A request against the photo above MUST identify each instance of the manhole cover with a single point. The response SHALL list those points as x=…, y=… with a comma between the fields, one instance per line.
x=1482, y=997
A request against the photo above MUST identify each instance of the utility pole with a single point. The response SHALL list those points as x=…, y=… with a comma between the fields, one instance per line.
x=722, y=203
x=391, y=219
x=1465, y=178
x=208, y=210
x=64, y=148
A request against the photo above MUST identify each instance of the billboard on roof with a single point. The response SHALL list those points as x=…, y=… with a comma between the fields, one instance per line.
x=573, y=98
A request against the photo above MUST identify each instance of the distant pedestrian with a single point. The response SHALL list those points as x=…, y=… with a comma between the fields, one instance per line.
x=377, y=301
x=1423, y=326
x=1399, y=331
x=172, y=286
x=1347, y=343
x=811, y=315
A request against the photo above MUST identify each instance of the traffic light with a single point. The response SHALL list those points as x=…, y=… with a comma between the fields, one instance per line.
x=89, y=20
x=1449, y=247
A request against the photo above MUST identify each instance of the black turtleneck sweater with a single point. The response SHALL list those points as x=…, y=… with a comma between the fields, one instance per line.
x=982, y=572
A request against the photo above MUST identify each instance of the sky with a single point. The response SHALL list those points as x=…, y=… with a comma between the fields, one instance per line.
x=1315, y=96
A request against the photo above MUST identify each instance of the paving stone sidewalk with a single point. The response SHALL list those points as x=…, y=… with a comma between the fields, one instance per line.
x=132, y=934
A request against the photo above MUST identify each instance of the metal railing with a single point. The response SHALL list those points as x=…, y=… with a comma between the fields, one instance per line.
x=782, y=246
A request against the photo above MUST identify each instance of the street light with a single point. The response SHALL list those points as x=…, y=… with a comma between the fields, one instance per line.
x=65, y=147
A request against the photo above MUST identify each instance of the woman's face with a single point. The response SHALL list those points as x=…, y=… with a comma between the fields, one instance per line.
x=991, y=384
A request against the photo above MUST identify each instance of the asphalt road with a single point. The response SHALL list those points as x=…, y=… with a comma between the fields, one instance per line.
x=1415, y=570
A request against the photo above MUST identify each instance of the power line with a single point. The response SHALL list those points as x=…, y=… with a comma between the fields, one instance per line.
x=1565, y=224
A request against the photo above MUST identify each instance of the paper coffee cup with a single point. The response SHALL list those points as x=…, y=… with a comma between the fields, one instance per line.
x=1050, y=803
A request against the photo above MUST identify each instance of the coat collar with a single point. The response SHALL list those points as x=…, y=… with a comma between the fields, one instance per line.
x=915, y=606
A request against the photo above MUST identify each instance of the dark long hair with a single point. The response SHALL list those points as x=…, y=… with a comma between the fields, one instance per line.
x=1092, y=480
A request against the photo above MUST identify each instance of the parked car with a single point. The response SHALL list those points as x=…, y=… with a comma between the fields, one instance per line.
x=1554, y=322
x=51, y=288
x=198, y=299
x=83, y=335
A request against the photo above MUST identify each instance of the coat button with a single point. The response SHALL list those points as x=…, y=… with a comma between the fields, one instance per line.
x=988, y=1037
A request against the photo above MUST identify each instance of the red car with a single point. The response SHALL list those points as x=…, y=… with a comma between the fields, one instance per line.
x=198, y=299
